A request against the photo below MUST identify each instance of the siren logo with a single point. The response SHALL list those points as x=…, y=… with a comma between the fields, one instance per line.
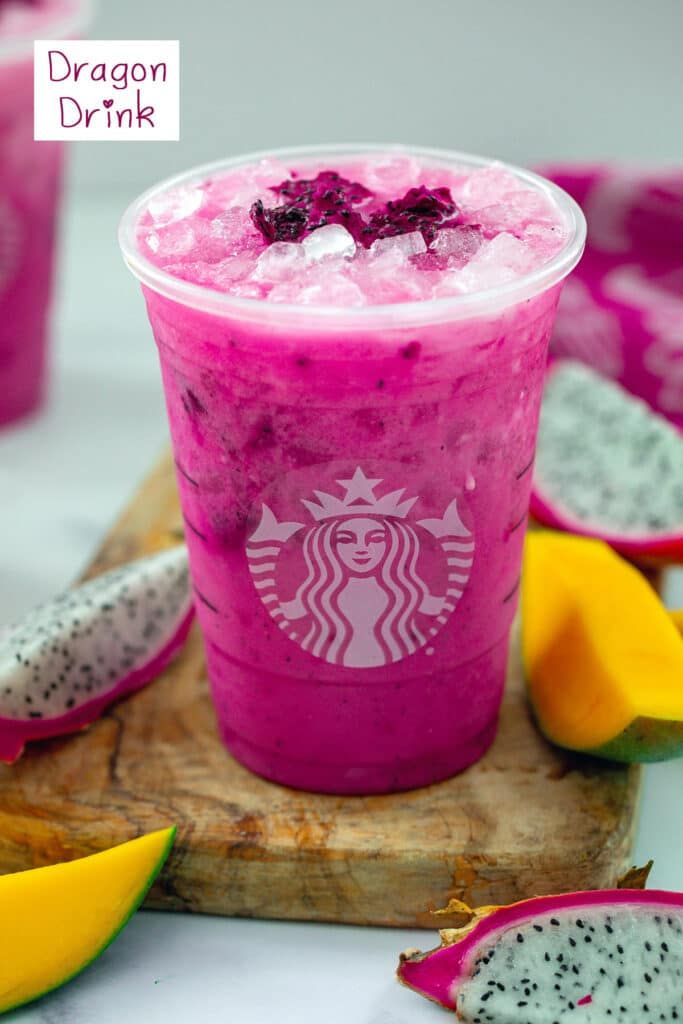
x=10, y=244
x=359, y=584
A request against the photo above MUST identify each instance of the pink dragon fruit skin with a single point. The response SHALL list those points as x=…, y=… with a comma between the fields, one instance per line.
x=533, y=961
x=71, y=658
x=622, y=309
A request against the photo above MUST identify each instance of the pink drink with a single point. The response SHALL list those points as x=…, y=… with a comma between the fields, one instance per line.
x=354, y=429
x=29, y=191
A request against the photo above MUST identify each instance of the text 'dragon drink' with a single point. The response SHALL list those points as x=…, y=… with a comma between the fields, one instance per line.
x=30, y=176
x=353, y=346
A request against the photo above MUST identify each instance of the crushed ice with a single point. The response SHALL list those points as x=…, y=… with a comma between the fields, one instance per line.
x=330, y=240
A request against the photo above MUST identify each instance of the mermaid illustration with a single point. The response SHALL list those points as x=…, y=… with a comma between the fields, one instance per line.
x=362, y=602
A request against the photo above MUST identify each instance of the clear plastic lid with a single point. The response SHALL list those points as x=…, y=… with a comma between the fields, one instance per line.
x=455, y=307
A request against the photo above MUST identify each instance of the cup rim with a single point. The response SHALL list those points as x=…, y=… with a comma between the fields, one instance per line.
x=65, y=26
x=456, y=307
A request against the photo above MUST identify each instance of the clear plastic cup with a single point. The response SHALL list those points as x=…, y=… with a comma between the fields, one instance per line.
x=30, y=188
x=355, y=485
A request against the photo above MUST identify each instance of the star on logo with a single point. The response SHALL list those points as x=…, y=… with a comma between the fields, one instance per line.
x=359, y=486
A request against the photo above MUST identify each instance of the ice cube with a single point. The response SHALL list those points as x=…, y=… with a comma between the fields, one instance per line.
x=174, y=205
x=231, y=226
x=280, y=261
x=387, y=277
x=496, y=262
x=175, y=240
x=329, y=240
x=458, y=244
x=506, y=250
x=211, y=249
x=409, y=245
x=232, y=269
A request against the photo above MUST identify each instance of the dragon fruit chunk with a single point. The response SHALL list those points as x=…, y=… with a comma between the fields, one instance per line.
x=67, y=660
x=595, y=957
x=607, y=466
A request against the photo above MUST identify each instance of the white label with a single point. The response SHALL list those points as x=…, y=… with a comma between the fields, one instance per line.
x=107, y=90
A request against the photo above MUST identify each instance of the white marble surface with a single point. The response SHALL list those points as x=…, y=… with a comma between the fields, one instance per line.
x=62, y=477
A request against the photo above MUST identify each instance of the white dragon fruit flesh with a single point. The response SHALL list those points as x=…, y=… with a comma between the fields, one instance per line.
x=607, y=466
x=70, y=658
x=602, y=957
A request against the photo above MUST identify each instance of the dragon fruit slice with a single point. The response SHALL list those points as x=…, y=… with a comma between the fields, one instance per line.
x=73, y=656
x=602, y=957
x=607, y=466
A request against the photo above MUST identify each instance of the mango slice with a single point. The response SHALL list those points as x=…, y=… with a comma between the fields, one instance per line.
x=56, y=920
x=603, y=659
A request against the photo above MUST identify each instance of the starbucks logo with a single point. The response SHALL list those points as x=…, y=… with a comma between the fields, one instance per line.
x=360, y=582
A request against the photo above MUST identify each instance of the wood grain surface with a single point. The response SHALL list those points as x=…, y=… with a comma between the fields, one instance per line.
x=527, y=819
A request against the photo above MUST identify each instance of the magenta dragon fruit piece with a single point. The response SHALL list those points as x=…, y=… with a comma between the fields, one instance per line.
x=70, y=658
x=311, y=203
x=602, y=957
x=607, y=466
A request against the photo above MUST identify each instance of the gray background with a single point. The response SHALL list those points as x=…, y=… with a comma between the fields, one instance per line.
x=522, y=80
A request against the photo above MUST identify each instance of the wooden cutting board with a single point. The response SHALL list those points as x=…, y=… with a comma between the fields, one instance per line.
x=527, y=819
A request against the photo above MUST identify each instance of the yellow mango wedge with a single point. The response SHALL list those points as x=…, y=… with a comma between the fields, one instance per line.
x=56, y=920
x=677, y=617
x=603, y=658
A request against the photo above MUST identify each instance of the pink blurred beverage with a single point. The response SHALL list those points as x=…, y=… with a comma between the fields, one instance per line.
x=30, y=174
x=353, y=373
